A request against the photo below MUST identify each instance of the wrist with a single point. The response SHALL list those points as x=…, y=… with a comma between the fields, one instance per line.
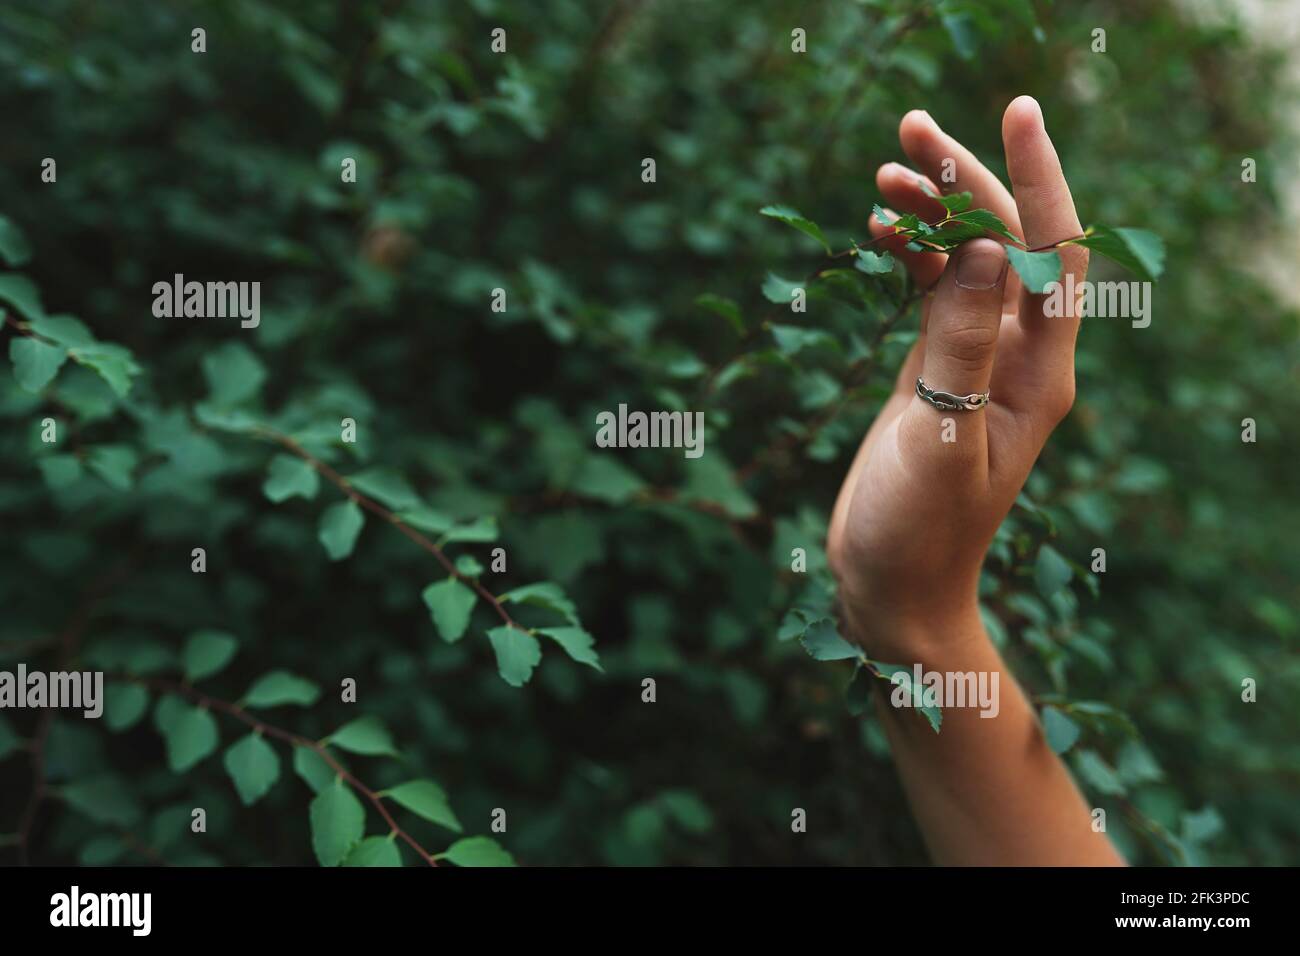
x=899, y=630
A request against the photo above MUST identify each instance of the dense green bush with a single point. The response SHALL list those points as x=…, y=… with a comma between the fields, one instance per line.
x=522, y=171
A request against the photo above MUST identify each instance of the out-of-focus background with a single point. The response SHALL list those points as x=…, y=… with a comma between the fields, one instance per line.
x=522, y=170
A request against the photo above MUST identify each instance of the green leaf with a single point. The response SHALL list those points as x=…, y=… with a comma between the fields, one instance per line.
x=450, y=604
x=207, y=653
x=312, y=768
x=339, y=526
x=124, y=705
x=518, y=653
x=1140, y=251
x=366, y=736
x=477, y=851
x=104, y=798
x=792, y=217
x=577, y=643
x=1060, y=730
x=338, y=821
x=479, y=530
x=425, y=519
x=544, y=594
x=779, y=290
x=114, y=463
x=791, y=339
x=279, y=687
x=874, y=263
x=191, y=734
x=1051, y=571
x=1037, y=270
x=989, y=222
x=35, y=362
x=289, y=475
x=14, y=249
x=20, y=292
x=387, y=487
x=603, y=478
x=426, y=799
x=253, y=766
x=60, y=471
x=793, y=625
x=114, y=364
x=900, y=676
x=63, y=330
x=1098, y=773
x=375, y=851
x=719, y=305
x=234, y=373
x=822, y=641
x=857, y=696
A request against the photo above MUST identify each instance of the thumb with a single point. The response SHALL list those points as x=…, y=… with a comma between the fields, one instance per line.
x=961, y=340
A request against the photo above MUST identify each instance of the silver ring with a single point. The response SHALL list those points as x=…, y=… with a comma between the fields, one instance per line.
x=948, y=402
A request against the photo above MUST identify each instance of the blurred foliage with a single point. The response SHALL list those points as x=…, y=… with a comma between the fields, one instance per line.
x=522, y=171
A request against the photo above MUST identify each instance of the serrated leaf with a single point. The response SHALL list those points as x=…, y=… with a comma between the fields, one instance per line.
x=1140, y=251
x=114, y=364
x=278, y=688
x=338, y=822
x=822, y=641
x=719, y=305
x=900, y=676
x=340, y=524
x=65, y=330
x=35, y=362
x=426, y=799
x=478, y=851
x=289, y=475
x=874, y=263
x=577, y=643
x=517, y=653
x=254, y=767
x=792, y=217
x=366, y=736
x=1037, y=270
x=207, y=653
x=450, y=605
x=545, y=594
x=104, y=798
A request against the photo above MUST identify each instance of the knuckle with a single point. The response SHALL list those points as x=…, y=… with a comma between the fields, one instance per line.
x=968, y=345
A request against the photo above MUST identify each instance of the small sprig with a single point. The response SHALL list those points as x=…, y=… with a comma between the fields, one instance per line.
x=1139, y=250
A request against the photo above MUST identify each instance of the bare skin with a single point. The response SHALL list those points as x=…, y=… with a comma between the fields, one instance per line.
x=916, y=514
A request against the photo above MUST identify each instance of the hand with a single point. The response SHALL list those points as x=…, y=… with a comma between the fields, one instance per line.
x=916, y=513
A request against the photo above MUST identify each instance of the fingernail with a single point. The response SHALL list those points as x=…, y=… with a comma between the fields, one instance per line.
x=980, y=270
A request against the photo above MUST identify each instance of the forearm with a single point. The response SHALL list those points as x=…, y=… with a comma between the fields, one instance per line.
x=985, y=790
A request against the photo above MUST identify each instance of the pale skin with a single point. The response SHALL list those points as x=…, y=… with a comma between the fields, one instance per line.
x=916, y=514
